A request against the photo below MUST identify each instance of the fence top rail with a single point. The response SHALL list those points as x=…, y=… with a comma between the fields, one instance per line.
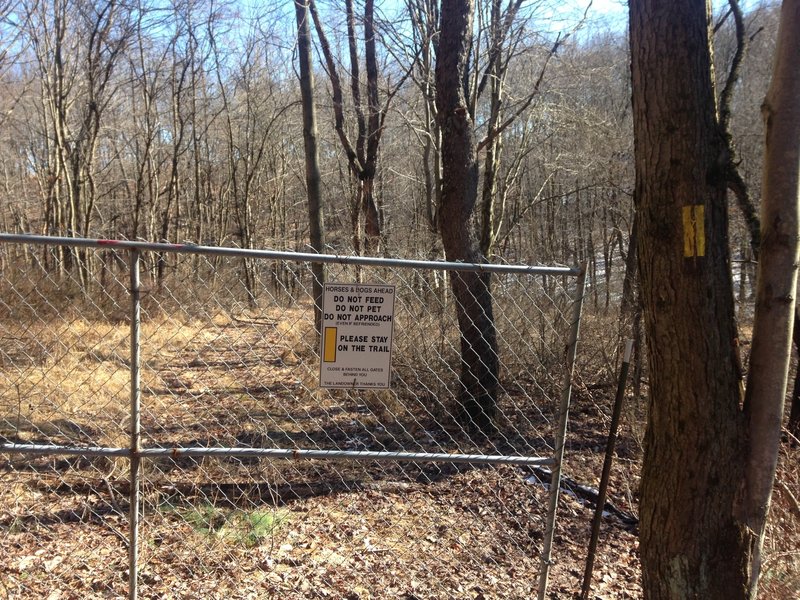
x=282, y=453
x=188, y=248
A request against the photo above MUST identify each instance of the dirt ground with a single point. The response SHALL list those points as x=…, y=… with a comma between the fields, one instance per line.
x=257, y=528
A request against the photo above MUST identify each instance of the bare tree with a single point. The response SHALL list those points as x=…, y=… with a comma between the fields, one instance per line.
x=250, y=116
x=504, y=42
x=777, y=285
x=370, y=117
x=424, y=15
x=12, y=46
x=479, y=359
x=313, y=178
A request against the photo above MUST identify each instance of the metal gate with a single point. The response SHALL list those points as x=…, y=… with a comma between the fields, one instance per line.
x=164, y=398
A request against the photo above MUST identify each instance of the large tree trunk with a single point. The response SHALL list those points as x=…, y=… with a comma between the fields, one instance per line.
x=692, y=546
x=479, y=361
x=313, y=178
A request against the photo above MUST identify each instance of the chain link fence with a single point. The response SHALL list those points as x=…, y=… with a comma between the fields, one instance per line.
x=161, y=415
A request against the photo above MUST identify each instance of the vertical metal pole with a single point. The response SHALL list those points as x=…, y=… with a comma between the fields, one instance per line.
x=135, y=443
x=601, y=494
x=561, y=433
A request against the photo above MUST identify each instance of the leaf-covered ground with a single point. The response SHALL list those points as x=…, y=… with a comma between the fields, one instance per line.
x=457, y=533
x=254, y=528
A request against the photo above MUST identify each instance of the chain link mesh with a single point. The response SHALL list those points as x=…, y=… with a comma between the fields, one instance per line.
x=230, y=359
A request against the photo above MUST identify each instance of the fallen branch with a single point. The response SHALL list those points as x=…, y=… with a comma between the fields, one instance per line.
x=587, y=493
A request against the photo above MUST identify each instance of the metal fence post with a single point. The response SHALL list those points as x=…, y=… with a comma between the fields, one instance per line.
x=135, y=443
x=561, y=433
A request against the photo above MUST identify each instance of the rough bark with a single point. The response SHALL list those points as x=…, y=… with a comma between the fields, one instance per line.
x=313, y=178
x=479, y=361
x=777, y=283
x=692, y=546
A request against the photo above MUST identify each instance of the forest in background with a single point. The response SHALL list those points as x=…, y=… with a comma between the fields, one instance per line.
x=181, y=121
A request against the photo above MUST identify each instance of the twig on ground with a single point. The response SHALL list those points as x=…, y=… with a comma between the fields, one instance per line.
x=794, y=504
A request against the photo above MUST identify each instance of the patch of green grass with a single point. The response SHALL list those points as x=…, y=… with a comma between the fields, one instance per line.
x=241, y=527
x=256, y=526
x=204, y=518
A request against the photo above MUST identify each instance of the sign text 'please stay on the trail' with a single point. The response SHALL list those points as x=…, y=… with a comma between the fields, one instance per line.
x=357, y=325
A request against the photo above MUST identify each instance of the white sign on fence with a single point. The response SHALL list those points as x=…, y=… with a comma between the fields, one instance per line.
x=357, y=325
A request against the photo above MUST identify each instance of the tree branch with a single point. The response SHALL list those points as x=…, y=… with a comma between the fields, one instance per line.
x=491, y=135
x=336, y=85
x=733, y=73
x=497, y=43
